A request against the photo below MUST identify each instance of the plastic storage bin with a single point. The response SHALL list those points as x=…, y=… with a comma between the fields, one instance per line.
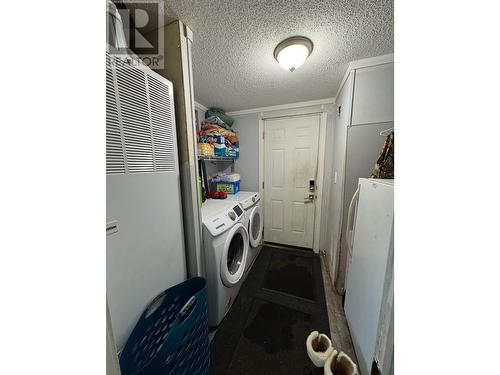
x=227, y=186
x=171, y=336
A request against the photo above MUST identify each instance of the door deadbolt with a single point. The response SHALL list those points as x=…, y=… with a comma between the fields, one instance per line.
x=312, y=185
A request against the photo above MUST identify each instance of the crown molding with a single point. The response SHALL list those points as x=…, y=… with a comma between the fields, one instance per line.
x=283, y=106
x=200, y=106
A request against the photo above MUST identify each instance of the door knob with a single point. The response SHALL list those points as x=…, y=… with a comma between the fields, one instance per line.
x=309, y=199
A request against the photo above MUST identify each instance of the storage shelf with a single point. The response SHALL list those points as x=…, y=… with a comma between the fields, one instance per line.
x=216, y=158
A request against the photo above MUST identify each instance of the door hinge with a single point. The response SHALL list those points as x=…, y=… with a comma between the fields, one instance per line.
x=262, y=184
x=263, y=135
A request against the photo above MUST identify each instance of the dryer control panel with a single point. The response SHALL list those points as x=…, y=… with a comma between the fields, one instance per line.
x=250, y=200
x=224, y=220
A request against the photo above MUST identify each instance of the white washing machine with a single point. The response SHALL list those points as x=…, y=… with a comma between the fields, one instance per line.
x=253, y=222
x=225, y=244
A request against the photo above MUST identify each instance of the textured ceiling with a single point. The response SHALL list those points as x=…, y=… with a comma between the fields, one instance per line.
x=234, y=41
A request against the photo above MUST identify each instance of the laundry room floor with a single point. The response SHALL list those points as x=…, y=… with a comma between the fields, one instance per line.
x=281, y=301
x=339, y=330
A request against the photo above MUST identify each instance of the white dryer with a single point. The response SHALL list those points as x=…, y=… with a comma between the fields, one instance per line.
x=225, y=243
x=250, y=202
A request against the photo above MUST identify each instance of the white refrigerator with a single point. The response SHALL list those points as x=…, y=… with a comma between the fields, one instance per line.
x=369, y=287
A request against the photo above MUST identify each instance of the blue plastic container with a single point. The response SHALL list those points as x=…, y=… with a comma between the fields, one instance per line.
x=229, y=187
x=171, y=336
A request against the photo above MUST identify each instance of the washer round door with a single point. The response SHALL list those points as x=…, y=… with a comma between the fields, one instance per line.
x=234, y=256
x=255, y=224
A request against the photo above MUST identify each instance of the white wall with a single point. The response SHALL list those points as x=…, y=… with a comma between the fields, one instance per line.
x=247, y=165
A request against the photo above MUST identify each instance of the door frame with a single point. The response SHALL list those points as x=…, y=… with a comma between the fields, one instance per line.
x=322, y=112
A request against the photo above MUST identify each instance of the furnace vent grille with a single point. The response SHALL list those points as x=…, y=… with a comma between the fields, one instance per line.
x=162, y=123
x=140, y=121
x=114, y=151
x=135, y=118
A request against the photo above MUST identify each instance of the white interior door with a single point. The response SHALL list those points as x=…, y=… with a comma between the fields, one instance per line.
x=290, y=162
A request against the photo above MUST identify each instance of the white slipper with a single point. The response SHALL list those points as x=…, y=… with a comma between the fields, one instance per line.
x=319, y=348
x=340, y=364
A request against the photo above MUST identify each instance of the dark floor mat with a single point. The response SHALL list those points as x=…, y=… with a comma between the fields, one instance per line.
x=270, y=340
x=266, y=329
x=291, y=274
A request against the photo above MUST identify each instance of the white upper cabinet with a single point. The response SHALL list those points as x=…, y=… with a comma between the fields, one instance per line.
x=373, y=100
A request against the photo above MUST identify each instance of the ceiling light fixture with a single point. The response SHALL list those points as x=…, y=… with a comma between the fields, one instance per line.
x=293, y=52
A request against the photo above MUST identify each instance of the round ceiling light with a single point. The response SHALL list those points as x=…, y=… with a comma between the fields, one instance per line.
x=293, y=52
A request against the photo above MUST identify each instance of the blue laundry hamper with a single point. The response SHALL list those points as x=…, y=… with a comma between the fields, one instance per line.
x=171, y=336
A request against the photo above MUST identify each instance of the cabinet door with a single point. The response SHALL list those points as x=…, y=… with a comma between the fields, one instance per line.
x=373, y=95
